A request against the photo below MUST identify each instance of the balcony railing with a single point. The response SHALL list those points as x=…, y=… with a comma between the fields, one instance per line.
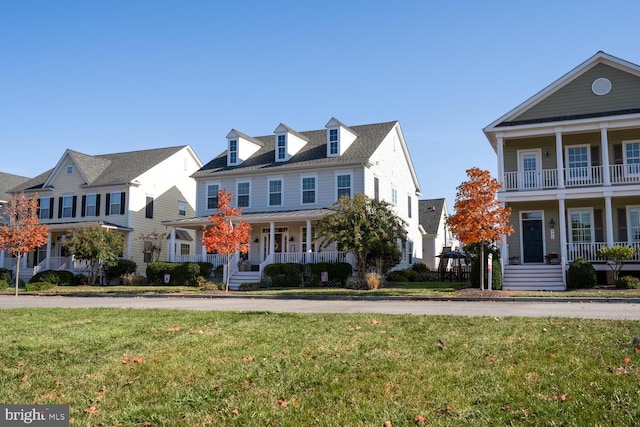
x=589, y=251
x=573, y=177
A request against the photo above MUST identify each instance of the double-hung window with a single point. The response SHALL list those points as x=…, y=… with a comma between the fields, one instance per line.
x=212, y=196
x=45, y=208
x=308, y=189
x=244, y=193
x=634, y=224
x=182, y=209
x=233, y=151
x=67, y=206
x=115, y=205
x=333, y=142
x=394, y=195
x=281, y=148
x=632, y=158
x=581, y=228
x=90, y=205
x=275, y=192
x=578, y=166
x=343, y=185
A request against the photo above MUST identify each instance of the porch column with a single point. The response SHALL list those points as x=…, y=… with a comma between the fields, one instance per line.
x=559, y=162
x=308, y=236
x=2, y=258
x=172, y=244
x=608, y=219
x=606, y=173
x=203, y=253
x=562, y=218
x=272, y=238
x=500, y=142
x=47, y=264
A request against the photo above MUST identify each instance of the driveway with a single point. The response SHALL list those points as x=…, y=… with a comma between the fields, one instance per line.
x=527, y=308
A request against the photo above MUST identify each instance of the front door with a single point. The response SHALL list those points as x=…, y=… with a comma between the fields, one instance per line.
x=532, y=244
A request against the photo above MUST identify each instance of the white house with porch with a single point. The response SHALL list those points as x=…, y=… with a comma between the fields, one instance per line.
x=569, y=160
x=284, y=182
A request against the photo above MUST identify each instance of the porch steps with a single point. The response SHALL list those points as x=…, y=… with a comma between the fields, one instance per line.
x=533, y=277
x=243, y=277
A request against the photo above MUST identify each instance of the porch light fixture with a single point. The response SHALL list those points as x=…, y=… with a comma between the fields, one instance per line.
x=291, y=239
x=257, y=240
x=552, y=223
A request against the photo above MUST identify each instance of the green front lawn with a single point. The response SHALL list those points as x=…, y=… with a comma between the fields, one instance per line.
x=118, y=367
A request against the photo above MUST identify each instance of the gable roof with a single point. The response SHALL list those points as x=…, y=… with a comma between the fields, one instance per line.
x=7, y=182
x=430, y=214
x=314, y=153
x=533, y=110
x=106, y=169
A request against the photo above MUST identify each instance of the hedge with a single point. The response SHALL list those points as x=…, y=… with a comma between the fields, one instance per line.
x=120, y=268
x=180, y=273
x=55, y=277
x=293, y=274
x=6, y=274
x=39, y=286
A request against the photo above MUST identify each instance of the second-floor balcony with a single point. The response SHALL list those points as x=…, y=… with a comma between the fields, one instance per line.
x=573, y=177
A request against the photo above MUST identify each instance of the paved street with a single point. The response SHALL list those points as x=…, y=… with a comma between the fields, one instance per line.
x=539, y=308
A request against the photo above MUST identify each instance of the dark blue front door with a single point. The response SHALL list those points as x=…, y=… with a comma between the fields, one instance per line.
x=532, y=240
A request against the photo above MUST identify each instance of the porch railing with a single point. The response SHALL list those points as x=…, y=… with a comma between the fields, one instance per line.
x=573, y=177
x=625, y=174
x=589, y=251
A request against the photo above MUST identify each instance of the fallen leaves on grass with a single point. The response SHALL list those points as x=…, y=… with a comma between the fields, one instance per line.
x=131, y=360
x=90, y=410
x=375, y=322
x=419, y=420
x=174, y=329
x=561, y=398
x=441, y=344
x=247, y=358
x=282, y=402
x=235, y=411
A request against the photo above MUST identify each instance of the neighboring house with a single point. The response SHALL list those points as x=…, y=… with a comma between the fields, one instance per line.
x=285, y=182
x=131, y=192
x=7, y=182
x=437, y=237
x=569, y=159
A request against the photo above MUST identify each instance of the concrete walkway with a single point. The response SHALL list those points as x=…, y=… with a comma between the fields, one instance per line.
x=531, y=307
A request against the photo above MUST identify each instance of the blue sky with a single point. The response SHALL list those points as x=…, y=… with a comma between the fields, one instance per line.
x=102, y=77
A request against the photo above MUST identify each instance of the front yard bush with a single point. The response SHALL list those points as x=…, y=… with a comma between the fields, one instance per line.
x=4, y=285
x=628, y=282
x=406, y=275
x=39, y=286
x=6, y=274
x=496, y=276
x=55, y=277
x=120, y=268
x=180, y=273
x=581, y=274
x=292, y=275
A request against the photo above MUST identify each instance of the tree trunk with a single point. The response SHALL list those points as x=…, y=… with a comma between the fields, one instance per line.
x=482, y=266
x=228, y=272
x=18, y=271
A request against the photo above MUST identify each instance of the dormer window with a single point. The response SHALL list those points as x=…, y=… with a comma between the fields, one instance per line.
x=333, y=142
x=281, y=147
x=233, y=151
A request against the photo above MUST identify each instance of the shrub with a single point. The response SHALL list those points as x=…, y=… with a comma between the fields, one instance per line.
x=397, y=276
x=133, y=280
x=265, y=282
x=120, y=268
x=420, y=268
x=55, y=277
x=628, y=282
x=80, y=280
x=292, y=274
x=356, y=283
x=4, y=285
x=180, y=273
x=6, y=274
x=581, y=274
x=39, y=286
x=496, y=276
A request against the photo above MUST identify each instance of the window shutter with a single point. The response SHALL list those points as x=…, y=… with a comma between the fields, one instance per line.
x=83, y=207
x=38, y=213
x=598, y=231
x=617, y=154
x=74, y=205
x=59, y=207
x=595, y=156
x=622, y=224
x=97, y=205
x=107, y=206
x=50, y=207
x=122, y=198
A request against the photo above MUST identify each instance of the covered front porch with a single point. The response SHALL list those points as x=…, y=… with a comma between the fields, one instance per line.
x=276, y=237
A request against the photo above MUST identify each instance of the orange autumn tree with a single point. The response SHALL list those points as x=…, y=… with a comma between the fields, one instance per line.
x=480, y=217
x=222, y=236
x=20, y=231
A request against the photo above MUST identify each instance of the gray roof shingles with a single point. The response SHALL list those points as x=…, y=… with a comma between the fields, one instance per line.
x=104, y=169
x=429, y=214
x=314, y=153
x=9, y=181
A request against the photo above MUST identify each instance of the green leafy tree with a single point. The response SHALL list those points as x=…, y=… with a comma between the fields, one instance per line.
x=97, y=246
x=359, y=225
x=616, y=256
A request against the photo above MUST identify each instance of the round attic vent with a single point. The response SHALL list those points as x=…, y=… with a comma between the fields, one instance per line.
x=601, y=86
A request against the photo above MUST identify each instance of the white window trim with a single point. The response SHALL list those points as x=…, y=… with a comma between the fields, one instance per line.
x=337, y=153
x=302, y=177
x=628, y=213
x=237, y=151
x=237, y=195
x=95, y=205
x=342, y=173
x=269, y=180
x=591, y=224
x=394, y=195
x=625, y=162
x=206, y=194
x=66, y=197
x=587, y=178
x=284, y=157
x=180, y=203
x=111, y=204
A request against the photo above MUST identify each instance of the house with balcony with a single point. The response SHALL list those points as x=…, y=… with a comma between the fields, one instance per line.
x=569, y=160
x=130, y=192
x=286, y=181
